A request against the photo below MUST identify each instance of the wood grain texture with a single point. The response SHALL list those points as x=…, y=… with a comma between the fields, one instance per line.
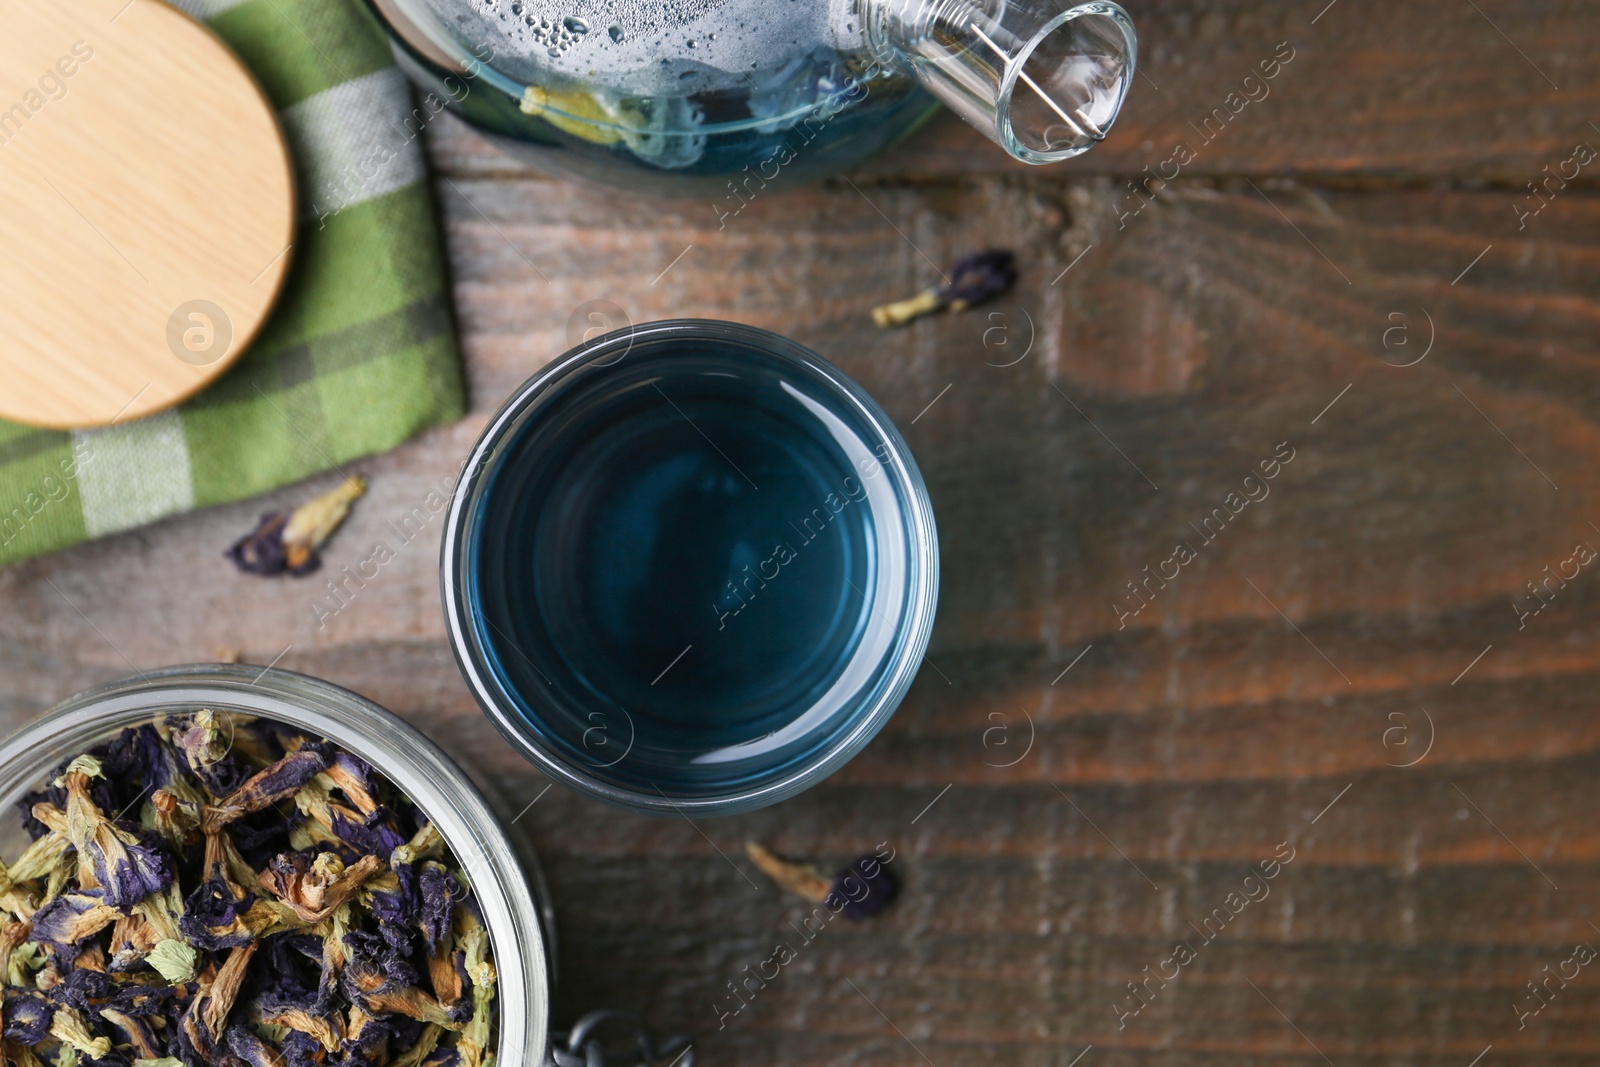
x=144, y=248
x=1360, y=617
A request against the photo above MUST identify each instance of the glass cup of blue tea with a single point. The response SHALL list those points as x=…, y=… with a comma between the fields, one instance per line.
x=691, y=568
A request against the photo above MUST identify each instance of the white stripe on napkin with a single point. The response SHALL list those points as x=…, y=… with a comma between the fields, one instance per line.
x=355, y=141
x=139, y=473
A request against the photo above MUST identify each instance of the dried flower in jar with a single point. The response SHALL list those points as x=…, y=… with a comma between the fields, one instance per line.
x=210, y=892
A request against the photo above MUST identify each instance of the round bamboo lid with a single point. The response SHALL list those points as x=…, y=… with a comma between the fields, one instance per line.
x=149, y=210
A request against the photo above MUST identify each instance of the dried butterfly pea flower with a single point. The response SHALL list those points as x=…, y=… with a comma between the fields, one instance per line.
x=205, y=750
x=368, y=1036
x=370, y=835
x=859, y=891
x=352, y=776
x=177, y=977
x=979, y=276
x=221, y=915
x=972, y=279
x=27, y=1017
x=325, y=1029
x=243, y=1043
x=83, y=989
x=71, y=917
x=288, y=542
x=393, y=900
x=864, y=888
x=421, y=1049
x=111, y=857
x=136, y=1033
x=313, y=889
x=439, y=891
x=302, y=1050
x=375, y=992
x=70, y=1028
x=278, y=782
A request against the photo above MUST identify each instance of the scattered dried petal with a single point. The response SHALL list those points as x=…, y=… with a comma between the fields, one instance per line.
x=979, y=276
x=865, y=888
x=287, y=543
x=799, y=878
x=971, y=279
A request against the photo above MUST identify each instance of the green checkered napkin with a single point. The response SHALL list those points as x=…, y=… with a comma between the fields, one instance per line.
x=360, y=353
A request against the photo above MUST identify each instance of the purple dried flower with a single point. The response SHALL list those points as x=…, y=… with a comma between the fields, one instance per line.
x=395, y=903
x=243, y=1043
x=288, y=542
x=979, y=276
x=73, y=916
x=280, y=781
x=452, y=985
x=315, y=888
x=353, y=776
x=204, y=741
x=28, y=1017
x=136, y=1032
x=381, y=982
x=214, y=915
x=303, y=1014
x=261, y=550
x=136, y=763
x=972, y=279
x=865, y=887
x=265, y=834
x=439, y=890
x=374, y=835
x=82, y=988
x=302, y=1050
x=290, y=959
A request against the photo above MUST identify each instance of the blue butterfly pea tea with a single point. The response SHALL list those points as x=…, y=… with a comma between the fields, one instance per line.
x=692, y=567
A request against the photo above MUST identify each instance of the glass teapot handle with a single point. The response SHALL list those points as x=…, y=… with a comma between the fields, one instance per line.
x=581, y=1046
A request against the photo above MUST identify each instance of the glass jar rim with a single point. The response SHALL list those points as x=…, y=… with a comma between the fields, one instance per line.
x=460, y=603
x=415, y=765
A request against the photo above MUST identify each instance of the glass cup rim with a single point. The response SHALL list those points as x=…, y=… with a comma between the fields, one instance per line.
x=459, y=604
x=418, y=767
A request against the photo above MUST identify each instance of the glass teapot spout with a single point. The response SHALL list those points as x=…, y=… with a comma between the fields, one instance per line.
x=1044, y=80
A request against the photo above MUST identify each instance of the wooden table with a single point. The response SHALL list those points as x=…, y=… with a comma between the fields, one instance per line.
x=1340, y=670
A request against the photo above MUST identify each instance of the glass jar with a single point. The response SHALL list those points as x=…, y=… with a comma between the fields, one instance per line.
x=505, y=876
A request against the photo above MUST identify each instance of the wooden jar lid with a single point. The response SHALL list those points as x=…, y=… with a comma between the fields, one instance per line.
x=148, y=210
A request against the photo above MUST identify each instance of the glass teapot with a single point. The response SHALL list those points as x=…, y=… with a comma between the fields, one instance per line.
x=686, y=96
